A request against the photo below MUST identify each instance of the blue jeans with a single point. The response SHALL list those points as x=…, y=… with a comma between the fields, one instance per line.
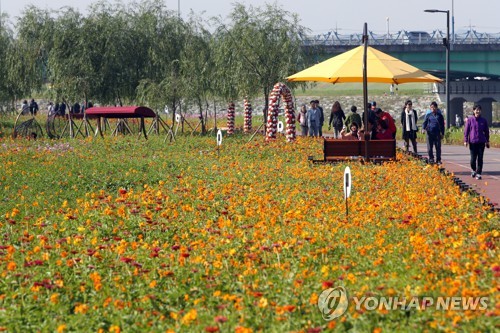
x=313, y=129
x=434, y=140
x=304, y=130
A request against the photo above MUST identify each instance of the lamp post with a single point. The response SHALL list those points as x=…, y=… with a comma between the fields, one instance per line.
x=446, y=42
x=388, y=34
x=452, y=23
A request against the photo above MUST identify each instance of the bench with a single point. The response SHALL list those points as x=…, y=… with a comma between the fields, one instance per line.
x=378, y=150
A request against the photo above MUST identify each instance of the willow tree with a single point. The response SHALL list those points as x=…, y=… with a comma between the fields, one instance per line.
x=70, y=73
x=111, y=53
x=267, y=45
x=227, y=73
x=6, y=42
x=27, y=58
x=163, y=36
x=197, y=67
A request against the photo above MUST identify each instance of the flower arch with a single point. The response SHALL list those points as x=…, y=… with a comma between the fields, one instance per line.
x=280, y=90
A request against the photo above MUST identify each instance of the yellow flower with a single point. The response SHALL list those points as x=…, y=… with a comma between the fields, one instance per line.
x=81, y=308
x=189, y=317
x=263, y=302
x=114, y=329
x=313, y=300
x=54, y=298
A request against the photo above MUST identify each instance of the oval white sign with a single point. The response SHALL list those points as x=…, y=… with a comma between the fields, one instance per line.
x=219, y=137
x=347, y=182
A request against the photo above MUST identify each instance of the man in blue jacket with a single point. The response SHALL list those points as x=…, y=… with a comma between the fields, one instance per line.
x=434, y=127
x=477, y=136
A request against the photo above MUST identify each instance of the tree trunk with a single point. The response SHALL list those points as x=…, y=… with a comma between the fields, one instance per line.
x=266, y=103
x=215, y=118
x=202, y=119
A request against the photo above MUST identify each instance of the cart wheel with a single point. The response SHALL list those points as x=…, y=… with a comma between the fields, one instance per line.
x=26, y=126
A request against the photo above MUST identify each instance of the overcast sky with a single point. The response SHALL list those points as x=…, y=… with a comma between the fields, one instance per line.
x=321, y=16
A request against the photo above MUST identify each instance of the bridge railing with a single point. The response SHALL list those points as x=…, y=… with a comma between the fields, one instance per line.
x=402, y=37
x=481, y=87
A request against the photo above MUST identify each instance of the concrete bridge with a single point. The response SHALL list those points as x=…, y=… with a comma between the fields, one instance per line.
x=474, y=62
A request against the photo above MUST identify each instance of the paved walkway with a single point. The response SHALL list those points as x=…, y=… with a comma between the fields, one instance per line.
x=456, y=159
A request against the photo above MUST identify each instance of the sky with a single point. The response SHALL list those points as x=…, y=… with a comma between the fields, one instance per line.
x=321, y=16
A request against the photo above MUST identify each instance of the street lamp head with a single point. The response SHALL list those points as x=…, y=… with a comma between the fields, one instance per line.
x=436, y=11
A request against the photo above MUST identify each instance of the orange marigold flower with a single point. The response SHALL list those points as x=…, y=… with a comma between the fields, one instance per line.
x=189, y=317
x=114, y=329
x=11, y=266
x=54, y=298
x=81, y=308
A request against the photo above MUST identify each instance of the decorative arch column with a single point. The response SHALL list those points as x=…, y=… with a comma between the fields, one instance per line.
x=280, y=90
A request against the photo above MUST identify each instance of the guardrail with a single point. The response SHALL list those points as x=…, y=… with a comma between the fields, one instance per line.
x=402, y=37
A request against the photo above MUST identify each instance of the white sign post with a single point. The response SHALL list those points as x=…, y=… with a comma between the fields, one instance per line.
x=280, y=126
x=219, y=141
x=347, y=188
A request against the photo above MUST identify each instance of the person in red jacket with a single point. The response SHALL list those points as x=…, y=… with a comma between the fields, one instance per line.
x=385, y=116
x=382, y=131
x=477, y=136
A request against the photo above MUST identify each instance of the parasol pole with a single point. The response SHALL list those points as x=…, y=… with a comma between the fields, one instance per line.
x=365, y=89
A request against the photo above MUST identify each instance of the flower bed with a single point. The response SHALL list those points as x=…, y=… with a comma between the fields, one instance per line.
x=157, y=237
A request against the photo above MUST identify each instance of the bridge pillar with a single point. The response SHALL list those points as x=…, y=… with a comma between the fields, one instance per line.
x=486, y=109
x=456, y=107
x=480, y=92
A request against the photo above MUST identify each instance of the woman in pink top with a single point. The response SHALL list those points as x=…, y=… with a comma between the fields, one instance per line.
x=352, y=135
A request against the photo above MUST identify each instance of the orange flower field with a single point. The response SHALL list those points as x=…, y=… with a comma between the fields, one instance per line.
x=126, y=235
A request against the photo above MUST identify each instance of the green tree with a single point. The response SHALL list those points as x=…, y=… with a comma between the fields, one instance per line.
x=197, y=68
x=27, y=58
x=68, y=60
x=267, y=44
x=163, y=36
x=6, y=42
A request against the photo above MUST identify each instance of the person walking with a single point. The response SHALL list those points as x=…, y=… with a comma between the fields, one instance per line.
x=321, y=118
x=313, y=118
x=337, y=118
x=434, y=128
x=302, y=118
x=33, y=107
x=50, y=109
x=25, y=108
x=477, y=136
x=409, y=126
